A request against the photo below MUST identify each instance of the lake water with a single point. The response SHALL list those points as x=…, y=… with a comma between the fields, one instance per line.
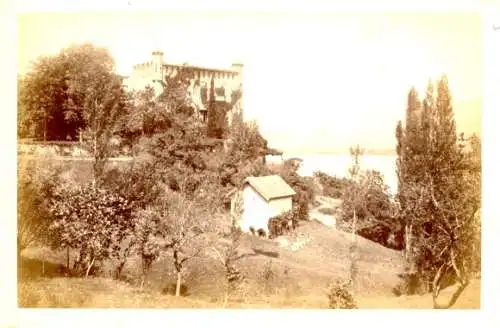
x=338, y=165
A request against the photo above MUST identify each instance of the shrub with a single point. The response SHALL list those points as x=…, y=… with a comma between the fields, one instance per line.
x=93, y=221
x=268, y=277
x=280, y=224
x=340, y=297
x=332, y=185
x=37, y=181
x=376, y=221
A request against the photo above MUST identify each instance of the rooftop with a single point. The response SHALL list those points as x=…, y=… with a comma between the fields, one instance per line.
x=201, y=68
x=270, y=187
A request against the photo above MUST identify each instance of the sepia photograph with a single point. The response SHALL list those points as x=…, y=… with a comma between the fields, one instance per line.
x=249, y=160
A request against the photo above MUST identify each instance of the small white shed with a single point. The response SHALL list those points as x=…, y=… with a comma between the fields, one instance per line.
x=264, y=198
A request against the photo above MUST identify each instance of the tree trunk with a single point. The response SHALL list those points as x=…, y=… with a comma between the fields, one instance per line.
x=67, y=258
x=89, y=267
x=178, y=287
x=408, y=245
x=353, y=234
x=437, y=288
x=45, y=128
x=96, y=162
x=142, y=281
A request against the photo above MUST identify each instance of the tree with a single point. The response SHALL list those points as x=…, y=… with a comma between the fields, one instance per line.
x=58, y=95
x=227, y=252
x=213, y=126
x=96, y=99
x=147, y=238
x=439, y=195
x=94, y=221
x=37, y=182
x=354, y=196
x=183, y=228
x=41, y=101
x=175, y=96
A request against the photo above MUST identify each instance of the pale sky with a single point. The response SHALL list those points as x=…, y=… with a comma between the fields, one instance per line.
x=317, y=82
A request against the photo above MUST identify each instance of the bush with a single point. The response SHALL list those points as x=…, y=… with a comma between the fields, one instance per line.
x=332, y=185
x=374, y=210
x=340, y=297
x=37, y=181
x=93, y=221
x=280, y=224
x=268, y=278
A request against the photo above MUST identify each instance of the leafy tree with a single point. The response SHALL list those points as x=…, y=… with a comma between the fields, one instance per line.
x=303, y=187
x=147, y=238
x=439, y=195
x=376, y=219
x=63, y=93
x=332, y=186
x=41, y=102
x=37, y=182
x=175, y=96
x=93, y=221
x=96, y=99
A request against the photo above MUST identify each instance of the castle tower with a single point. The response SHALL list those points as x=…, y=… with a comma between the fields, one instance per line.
x=157, y=74
x=237, y=84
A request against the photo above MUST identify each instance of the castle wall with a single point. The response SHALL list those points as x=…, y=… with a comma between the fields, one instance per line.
x=147, y=73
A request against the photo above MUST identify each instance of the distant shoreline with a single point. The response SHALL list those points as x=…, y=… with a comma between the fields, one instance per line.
x=312, y=153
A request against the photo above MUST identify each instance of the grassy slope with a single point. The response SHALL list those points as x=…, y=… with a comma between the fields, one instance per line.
x=294, y=278
x=298, y=279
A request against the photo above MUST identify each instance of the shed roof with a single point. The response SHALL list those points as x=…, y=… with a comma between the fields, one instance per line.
x=270, y=187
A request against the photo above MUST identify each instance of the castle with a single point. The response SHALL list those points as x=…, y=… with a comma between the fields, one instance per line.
x=226, y=81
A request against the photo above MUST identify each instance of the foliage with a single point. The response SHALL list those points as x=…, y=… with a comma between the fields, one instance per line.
x=340, y=297
x=37, y=182
x=216, y=121
x=268, y=277
x=64, y=93
x=332, y=186
x=375, y=212
x=93, y=221
x=175, y=95
x=175, y=225
x=303, y=186
x=439, y=192
x=280, y=224
x=227, y=252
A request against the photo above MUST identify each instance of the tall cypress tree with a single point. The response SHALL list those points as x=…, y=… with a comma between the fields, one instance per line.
x=212, y=112
x=437, y=191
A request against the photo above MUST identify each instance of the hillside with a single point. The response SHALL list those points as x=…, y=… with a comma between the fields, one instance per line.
x=277, y=277
x=272, y=270
x=290, y=271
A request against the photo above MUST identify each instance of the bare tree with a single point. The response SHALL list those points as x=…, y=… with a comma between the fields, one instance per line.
x=185, y=229
x=227, y=252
